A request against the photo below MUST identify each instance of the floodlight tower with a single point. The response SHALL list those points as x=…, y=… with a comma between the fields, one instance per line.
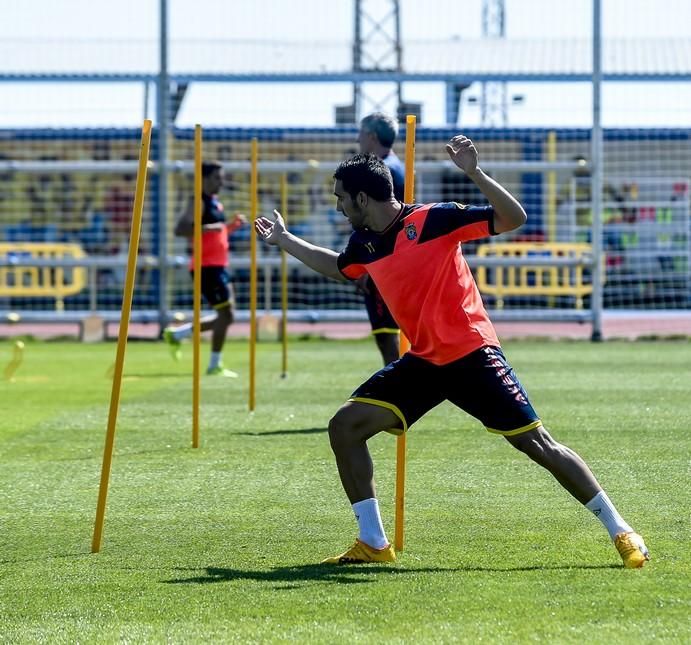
x=494, y=102
x=376, y=48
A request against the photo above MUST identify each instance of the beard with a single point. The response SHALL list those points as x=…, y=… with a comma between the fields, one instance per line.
x=357, y=219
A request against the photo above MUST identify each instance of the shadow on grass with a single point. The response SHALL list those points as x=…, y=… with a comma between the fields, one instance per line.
x=341, y=574
x=353, y=574
x=539, y=567
x=275, y=432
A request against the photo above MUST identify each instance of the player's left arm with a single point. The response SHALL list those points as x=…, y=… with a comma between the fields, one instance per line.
x=508, y=212
x=318, y=258
x=238, y=221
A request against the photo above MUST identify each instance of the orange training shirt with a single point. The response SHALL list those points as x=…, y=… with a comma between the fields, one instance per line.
x=215, y=247
x=420, y=271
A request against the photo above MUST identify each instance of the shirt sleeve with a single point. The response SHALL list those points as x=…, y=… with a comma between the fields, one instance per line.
x=350, y=261
x=212, y=211
x=462, y=223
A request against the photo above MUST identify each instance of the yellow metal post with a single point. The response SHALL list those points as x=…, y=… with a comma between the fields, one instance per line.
x=17, y=358
x=408, y=197
x=122, y=332
x=197, y=290
x=284, y=282
x=253, y=272
x=551, y=196
x=552, y=188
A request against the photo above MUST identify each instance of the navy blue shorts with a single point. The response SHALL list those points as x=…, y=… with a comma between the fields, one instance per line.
x=217, y=288
x=481, y=383
x=379, y=315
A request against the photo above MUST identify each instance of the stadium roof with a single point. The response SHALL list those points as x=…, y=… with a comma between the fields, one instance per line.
x=463, y=60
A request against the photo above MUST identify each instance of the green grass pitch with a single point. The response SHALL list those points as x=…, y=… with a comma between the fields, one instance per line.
x=222, y=543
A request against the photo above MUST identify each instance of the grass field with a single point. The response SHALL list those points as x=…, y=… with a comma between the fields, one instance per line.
x=222, y=543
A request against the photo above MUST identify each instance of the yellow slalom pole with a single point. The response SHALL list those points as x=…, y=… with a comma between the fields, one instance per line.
x=552, y=188
x=408, y=197
x=17, y=358
x=284, y=282
x=197, y=272
x=253, y=271
x=551, y=196
x=122, y=333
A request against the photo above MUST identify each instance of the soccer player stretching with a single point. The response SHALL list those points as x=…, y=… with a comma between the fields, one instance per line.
x=413, y=254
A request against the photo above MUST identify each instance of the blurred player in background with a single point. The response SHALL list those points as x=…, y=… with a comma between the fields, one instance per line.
x=377, y=135
x=216, y=285
x=413, y=253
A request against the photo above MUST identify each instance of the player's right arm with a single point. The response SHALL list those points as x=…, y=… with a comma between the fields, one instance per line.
x=185, y=225
x=322, y=260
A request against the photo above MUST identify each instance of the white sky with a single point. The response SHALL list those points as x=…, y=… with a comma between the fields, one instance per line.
x=65, y=34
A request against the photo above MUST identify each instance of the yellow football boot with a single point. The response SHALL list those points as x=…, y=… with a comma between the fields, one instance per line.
x=361, y=553
x=632, y=550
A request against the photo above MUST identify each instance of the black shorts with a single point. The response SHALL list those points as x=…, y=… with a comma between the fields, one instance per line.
x=379, y=315
x=481, y=383
x=217, y=288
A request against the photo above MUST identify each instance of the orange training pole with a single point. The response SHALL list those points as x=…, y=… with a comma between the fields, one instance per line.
x=284, y=282
x=197, y=271
x=122, y=332
x=408, y=196
x=253, y=272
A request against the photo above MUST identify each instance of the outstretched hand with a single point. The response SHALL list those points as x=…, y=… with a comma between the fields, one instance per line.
x=462, y=152
x=270, y=230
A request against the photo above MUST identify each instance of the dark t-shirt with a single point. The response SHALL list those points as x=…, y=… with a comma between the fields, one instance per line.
x=397, y=173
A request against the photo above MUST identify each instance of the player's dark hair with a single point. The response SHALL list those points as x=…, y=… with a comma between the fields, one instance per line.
x=367, y=174
x=209, y=167
x=382, y=126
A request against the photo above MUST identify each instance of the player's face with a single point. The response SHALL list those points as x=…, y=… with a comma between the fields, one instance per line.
x=346, y=205
x=213, y=182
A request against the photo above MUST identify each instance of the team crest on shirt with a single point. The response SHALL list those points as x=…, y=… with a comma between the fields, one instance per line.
x=410, y=231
